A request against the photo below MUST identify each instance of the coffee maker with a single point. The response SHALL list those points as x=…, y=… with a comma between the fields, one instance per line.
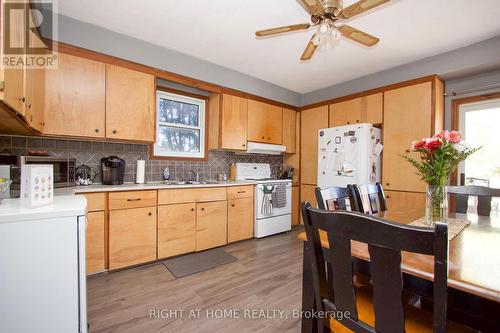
x=112, y=170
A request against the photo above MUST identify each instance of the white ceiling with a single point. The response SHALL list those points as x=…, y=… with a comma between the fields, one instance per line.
x=222, y=32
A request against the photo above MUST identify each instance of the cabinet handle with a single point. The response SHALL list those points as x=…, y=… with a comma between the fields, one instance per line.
x=242, y=192
x=192, y=209
x=387, y=184
x=232, y=205
x=150, y=213
x=22, y=99
x=202, y=208
x=243, y=145
x=357, y=121
x=387, y=197
x=97, y=130
x=269, y=138
x=348, y=122
x=263, y=137
x=137, y=199
x=114, y=131
x=29, y=106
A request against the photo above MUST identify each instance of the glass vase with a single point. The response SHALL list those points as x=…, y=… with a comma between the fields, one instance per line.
x=436, y=204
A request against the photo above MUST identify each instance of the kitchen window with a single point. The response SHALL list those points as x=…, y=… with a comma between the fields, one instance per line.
x=180, y=126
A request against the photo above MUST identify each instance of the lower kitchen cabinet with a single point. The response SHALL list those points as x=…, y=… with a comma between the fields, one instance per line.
x=132, y=236
x=176, y=229
x=307, y=194
x=240, y=219
x=295, y=205
x=95, y=242
x=211, y=225
x=397, y=200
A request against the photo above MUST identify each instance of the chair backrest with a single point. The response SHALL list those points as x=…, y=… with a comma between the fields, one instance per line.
x=333, y=274
x=334, y=197
x=484, y=195
x=370, y=198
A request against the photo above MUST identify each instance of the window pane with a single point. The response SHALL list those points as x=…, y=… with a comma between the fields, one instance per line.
x=179, y=140
x=178, y=112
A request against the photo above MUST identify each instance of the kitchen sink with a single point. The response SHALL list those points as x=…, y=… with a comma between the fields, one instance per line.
x=182, y=182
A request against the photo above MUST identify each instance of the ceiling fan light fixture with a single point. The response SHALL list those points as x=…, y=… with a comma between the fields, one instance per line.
x=324, y=28
x=336, y=33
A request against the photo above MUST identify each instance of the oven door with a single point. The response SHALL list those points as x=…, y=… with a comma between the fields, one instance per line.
x=259, y=198
x=64, y=168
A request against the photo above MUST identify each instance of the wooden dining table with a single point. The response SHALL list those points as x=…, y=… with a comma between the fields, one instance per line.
x=473, y=279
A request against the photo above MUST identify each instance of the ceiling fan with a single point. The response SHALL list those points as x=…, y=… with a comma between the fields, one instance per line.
x=324, y=15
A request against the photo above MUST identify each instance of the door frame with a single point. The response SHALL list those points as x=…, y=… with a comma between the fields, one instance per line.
x=455, y=115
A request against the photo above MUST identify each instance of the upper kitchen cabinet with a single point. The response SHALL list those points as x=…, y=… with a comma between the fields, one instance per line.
x=264, y=122
x=35, y=98
x=75, y=98
x=366, y=109
x=418, y=109
x=312, y=120
x=289, y=135
x=227, y=121
x=130, y=104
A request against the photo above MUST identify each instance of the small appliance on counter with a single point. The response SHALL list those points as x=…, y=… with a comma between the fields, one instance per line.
x=113, y=170
x=85, y=175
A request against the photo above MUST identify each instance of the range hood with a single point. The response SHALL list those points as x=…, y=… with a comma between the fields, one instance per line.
x=264, y=148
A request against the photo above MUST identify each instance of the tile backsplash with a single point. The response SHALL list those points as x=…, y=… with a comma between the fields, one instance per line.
x=91, y=152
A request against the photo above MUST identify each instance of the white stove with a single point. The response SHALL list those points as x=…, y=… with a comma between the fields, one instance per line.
x=272, y=211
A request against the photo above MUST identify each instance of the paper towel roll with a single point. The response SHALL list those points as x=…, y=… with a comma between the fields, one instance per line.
x=140, y=171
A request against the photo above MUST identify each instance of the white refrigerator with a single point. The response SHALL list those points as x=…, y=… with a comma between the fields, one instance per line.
x=349, y=155
x=42, y=267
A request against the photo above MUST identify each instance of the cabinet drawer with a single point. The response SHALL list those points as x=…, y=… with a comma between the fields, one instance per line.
x=95, y=201
x=184, y=195
x=131, y=199
x=238, y=192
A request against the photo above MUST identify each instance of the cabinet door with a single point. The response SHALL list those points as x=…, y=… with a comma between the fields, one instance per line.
x=295, y=205
x=95, y=242
x=176, y=229
x=132, y=236
x=307, y=194
x=289, y=130
x=211, y=225
x=312, y=120
x=234, y=119
x=373, y=106
x=75, y=98
x=264, y=122
x=404, y=201
x=345, y=113
x=239, y=219
x=130, y=104
x=407, y=117
x=35, y=98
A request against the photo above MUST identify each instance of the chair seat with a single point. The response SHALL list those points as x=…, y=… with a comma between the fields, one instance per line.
x=416, y=321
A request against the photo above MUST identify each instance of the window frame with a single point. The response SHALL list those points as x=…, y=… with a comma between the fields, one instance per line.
x=202, y=102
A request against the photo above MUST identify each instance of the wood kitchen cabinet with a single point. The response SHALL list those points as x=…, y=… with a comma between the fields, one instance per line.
x=130, y=104
x=75, y=98
x=211, y=225
x=35, y=98
x=240, y=213
x=95, y=247
x=366, y=109
x=402, y=201
x=312, y=120
x=307, y=194
x=410, y=113
x=176, y=229
x=289, y=130
x=264, y=122
x=295, y=205
x=132, y=236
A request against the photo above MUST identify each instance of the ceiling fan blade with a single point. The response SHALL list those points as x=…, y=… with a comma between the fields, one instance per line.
x=309, y=50
x=360, y=7
x=358, y=35
x=273, y=31
x=314, y=7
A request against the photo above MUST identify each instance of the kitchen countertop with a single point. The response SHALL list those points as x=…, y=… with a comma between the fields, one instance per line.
x=11, y=210
x=140, y=187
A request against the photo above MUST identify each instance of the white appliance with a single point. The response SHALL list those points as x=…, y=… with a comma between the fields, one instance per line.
x=348, y=155
x=264, y=148
x=42, y=266
x=279, y=219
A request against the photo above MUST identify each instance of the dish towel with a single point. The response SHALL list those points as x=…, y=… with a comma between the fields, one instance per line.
x=267, y=202
x=279, y=196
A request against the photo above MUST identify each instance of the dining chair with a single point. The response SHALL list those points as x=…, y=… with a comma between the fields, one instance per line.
x=380, y=309
x=335, y=197
x=370, y=198
x=484, y=196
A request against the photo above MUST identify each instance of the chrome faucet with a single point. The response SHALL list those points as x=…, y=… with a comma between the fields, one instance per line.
x=195, y=176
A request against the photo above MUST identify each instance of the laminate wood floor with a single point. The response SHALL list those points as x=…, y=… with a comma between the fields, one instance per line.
x=267, y=276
